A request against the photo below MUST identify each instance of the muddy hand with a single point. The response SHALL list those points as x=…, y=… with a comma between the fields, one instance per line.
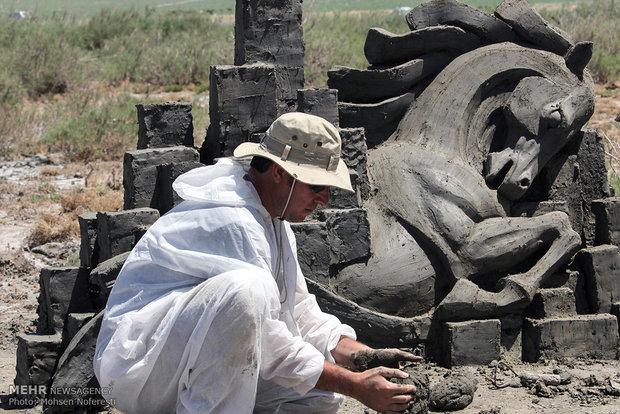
x=388, y=357
x=377, y=392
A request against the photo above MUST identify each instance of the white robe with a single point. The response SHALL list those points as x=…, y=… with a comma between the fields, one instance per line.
x=173, y=318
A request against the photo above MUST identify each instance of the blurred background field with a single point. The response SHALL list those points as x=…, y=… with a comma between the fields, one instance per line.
x=81, y=8
x=72, y=71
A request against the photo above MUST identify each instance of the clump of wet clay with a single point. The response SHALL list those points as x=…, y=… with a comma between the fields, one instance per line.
x=454, y=392
x=364, y=360
x=419, y=403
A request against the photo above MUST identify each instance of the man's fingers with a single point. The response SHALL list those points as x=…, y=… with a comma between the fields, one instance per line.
x=401, y=398
x=392, y=372
x=407, y=356
x=396, y=373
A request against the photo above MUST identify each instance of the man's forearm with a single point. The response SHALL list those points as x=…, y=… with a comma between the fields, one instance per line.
x=335, y=378
x=345, y=349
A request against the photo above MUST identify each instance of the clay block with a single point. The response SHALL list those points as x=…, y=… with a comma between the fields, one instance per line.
x=551, y=303
x=452, y=12
x=472, y=342
x=354, y=155
x=89, y=250
x=576, y=282
x=593, y=182
x=615, y=310
x=348, y=233
x=36, y=361
x=600, y=267
x=313, y=249
x=74, y=323
x=167, y=124
x=104, y=275
x=75, y=372
x=562, y=184
x=585, y=336
x=530, y=26
x=383, y=47
x=245, y=100
x=375, y=85
x=269, y=31
x=140, y=173
x=63, y=290
x=319, y=102
x=607, y=215
x=166, y=174
x=119, y=231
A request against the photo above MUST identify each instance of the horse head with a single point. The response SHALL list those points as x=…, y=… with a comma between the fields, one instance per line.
x=542, y=115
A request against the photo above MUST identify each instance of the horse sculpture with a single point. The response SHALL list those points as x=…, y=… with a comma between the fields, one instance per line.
x=443, y=240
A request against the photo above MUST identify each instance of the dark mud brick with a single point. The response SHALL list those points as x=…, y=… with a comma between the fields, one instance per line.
x=575, y=281
x=607, y=215
x=472, y=342
x=348, y=233
x=531, y=27
x=615, y=310
x=313, y=250
x=74, y=323
x=89, y=250
x=140, y=173
x=167, y=124
x=383, y=47
x=456, y=13
x=36, y=362
x=75, y=373
x=103, y=276
x=269, y=31
x=593, y=183
x=63, y=290
x=119, y=231
x=584, y=336
x=319, y=102
x=166, y=174
x=245, y=100
x=354, y=155
x=551, y=303
x=600, y=266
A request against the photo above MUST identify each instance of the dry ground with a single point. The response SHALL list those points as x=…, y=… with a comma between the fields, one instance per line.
x=40, y=197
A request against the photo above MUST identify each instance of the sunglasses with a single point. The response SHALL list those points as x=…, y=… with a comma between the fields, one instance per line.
x=317, y=188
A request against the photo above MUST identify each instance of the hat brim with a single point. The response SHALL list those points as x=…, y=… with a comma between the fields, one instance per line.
x=306, y=173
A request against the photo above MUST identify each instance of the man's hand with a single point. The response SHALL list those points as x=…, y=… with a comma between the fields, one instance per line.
x=375, y=391
x=389, y=357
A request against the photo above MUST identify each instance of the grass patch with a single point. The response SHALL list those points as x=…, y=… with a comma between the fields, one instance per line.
x=65, y=226
x=597, y=22
x=64, y=77
x=94, y=128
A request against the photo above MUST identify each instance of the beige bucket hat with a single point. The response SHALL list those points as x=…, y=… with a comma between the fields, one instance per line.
x=306, y=146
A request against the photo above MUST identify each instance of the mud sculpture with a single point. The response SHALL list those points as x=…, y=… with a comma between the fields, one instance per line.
x=477, y=133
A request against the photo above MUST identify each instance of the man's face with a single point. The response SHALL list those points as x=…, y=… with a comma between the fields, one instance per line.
x=304, y=200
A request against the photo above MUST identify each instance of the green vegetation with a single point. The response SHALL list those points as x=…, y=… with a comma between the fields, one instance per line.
x=69, y=83
x=81, y=8
x=598, y=23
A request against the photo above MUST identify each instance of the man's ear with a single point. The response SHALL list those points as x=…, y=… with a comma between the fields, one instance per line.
x=278, y=174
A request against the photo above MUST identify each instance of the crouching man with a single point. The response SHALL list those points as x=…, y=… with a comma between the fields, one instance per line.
x=211, y=313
